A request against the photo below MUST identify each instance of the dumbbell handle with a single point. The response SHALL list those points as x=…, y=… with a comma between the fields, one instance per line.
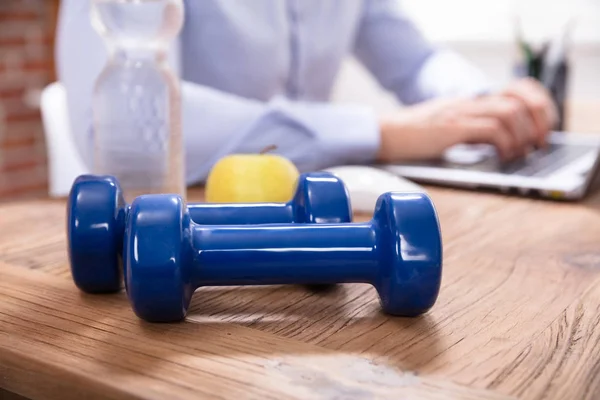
x=238, y=213
x=284, y=254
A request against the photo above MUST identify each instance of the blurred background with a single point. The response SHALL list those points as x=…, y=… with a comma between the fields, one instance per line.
x=26, y=66
x=482, y=31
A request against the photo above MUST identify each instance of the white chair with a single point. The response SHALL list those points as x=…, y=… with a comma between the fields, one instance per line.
x=64, y=161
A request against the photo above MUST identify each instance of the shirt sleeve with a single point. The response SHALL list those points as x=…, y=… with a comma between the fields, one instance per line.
x=312, y=135
x=405, y=63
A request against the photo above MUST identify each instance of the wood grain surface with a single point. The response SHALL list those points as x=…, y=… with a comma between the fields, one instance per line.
x=518, y=317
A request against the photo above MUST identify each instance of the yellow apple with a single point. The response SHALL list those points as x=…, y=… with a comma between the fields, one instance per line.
x=252, y=178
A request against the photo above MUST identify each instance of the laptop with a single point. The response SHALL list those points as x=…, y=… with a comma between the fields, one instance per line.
x=568, y=169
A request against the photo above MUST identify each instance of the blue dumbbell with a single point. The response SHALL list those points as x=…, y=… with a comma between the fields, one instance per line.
x=97, y=212
x=167, y=256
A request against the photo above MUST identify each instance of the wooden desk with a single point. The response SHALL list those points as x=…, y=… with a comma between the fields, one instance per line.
x=518, y=317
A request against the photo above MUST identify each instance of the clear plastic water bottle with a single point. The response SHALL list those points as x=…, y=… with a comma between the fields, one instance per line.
x=137, y=97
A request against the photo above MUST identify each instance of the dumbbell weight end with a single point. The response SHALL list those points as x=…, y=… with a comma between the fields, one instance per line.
x=96, y=211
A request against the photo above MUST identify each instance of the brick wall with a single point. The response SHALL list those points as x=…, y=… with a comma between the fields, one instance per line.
x=26, y=66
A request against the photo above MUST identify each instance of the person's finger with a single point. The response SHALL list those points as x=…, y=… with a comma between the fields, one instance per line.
x=489, y=131
x=539, y=105
x=546, y=97
x=514, y=113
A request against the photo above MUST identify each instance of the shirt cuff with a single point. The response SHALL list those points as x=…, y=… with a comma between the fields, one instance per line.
x=351, y=135
x=342, y=133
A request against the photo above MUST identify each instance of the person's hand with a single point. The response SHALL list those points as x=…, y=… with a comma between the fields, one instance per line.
x=538, y=103
x=514, y=121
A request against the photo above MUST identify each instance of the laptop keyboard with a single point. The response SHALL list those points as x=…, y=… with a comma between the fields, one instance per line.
x=542, y=163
